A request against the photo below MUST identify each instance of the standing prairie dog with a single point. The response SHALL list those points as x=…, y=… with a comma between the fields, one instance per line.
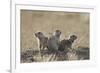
x=42, y=40
x=53, y=41
x=67, y=43
x=53, y=44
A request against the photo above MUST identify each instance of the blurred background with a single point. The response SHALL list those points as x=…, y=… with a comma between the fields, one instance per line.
x=48, y=21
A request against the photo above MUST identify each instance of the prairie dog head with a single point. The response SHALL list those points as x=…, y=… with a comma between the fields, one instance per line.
x=39, y=35
x=57, y=33
x=73, y=37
